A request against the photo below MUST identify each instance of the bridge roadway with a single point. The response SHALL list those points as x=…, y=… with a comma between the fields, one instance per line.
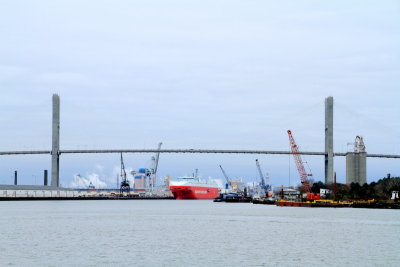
x=193, y=151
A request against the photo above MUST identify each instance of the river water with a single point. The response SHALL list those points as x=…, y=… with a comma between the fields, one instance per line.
x=194, y=233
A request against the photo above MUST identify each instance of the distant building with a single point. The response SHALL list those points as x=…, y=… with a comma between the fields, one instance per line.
x=324, y=192
x=287, y=193
x=167, y=180
x=356, y=163
x=144, y=179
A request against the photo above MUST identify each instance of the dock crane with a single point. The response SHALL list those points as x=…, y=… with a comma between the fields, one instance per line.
x=153, y=170
x=263, y=184
x=157, y=158
x=125, y=187
x=300, y=167
x=228, y=181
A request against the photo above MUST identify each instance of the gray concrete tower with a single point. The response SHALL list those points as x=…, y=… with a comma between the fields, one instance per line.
x=356, y=163
x=356, y=167
x=329, y=140
x=55, y=159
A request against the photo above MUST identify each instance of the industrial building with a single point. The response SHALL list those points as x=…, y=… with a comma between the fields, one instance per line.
x=356, y=163
x=144, y=180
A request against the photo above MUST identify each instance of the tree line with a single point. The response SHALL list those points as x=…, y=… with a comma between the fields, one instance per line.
x=382, y=189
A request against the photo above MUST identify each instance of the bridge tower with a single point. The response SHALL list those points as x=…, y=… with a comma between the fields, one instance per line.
x=55, y=150
x=329, y=140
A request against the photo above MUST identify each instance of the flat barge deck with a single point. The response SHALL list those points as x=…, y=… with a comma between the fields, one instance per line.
x=316, y=204
x=335, y=204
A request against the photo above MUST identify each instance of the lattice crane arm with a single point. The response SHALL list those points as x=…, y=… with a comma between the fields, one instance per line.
x=299, y=163
x=124, y=187
x=123, y=172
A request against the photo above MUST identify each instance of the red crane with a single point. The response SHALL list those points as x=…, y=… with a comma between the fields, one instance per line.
x=300, y=167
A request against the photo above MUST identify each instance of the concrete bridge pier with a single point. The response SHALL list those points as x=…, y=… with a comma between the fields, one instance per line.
x=55, y=151
x=329, y=140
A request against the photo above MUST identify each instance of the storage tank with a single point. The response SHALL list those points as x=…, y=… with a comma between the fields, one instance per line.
x=356, y=168
x=356, y=163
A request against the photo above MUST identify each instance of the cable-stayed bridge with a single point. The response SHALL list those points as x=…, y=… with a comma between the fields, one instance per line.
x=355, y=161
x=192, y=151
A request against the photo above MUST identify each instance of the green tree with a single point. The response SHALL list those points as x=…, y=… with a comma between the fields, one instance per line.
x=355, y=191
x=315, y=188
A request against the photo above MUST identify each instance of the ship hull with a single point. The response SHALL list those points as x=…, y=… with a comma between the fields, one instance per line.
x=194, y=192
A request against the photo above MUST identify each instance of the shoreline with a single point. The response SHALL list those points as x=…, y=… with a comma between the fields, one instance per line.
x=81, y=198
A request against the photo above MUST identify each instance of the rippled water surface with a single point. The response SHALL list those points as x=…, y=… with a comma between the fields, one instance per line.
x=196, y=233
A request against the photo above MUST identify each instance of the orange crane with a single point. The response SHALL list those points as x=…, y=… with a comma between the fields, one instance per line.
x=300, y=168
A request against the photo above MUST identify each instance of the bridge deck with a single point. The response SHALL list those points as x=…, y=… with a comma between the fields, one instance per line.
x=194, y=151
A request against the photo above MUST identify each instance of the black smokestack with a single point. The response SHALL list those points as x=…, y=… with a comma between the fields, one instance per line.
x=45, y=177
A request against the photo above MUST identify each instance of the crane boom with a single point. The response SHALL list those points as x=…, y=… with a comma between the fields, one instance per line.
x=299, y=163
x=123, y=172
x=157, y=158
x=267, y=180
x=225, y=175
x=124, y=187
x=263, y=185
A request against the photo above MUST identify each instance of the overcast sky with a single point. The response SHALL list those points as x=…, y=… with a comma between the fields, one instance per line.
x=210, y=74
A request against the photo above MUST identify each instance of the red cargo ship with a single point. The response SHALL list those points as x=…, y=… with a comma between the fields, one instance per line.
x=193, y=188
